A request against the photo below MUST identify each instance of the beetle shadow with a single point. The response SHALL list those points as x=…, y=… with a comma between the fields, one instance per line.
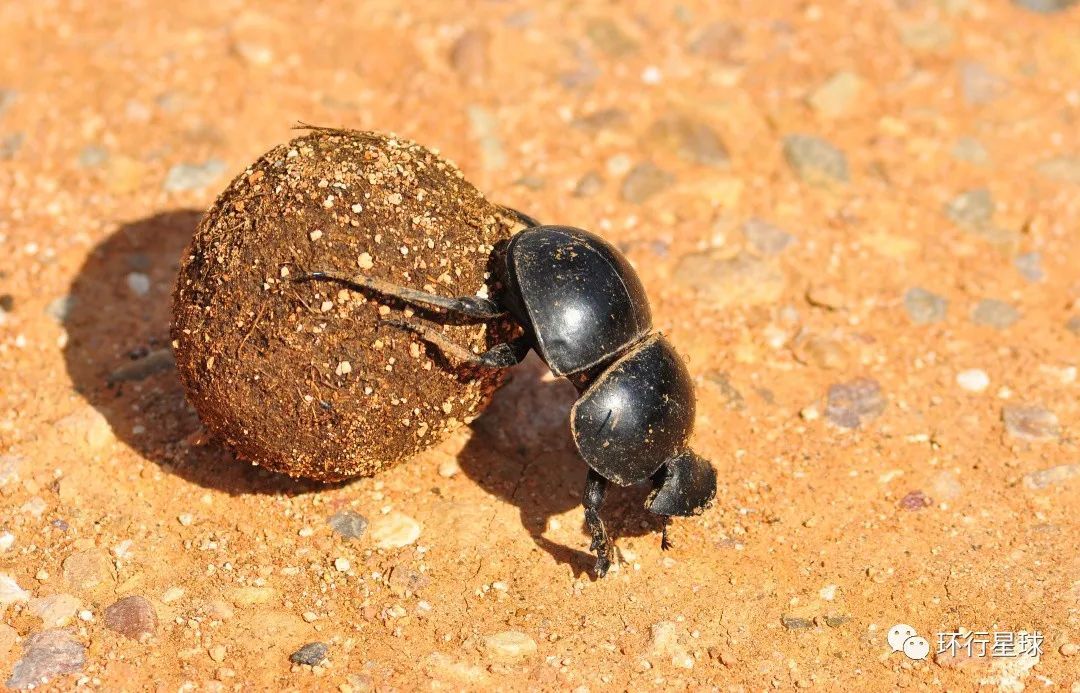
x=119, y=357
x=521, y=451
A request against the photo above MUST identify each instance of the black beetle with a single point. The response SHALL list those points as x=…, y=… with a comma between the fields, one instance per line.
x=584, y=311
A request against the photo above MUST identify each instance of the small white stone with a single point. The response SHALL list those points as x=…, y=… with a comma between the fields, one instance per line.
x=139, y=283
x=342, y=564
x=973, y=380
x=86, y=615
x=828, y=592
x=509, y=645
x=284, y=272
x=652, y=75
x=185, y=519
x=315, y=235
x=365, y=261
x=448, y=468
x=10, y=592
x=7, y=539
x=394, y=530
x=327, y=306
x=343, y=368
x=310, y=616
x=357, y=208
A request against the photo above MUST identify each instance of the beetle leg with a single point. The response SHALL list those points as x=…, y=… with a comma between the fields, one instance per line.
x=521, y=216
x=595, y=489
x=499, y=356
x=469, y=306
x=665, y=543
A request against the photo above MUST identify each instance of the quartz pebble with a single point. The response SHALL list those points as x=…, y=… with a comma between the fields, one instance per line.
x=55, y=610
x=10, y=592
x=973, y=380
x=510, y=645
x=132, y=616
x=665, y=644
x=187, y=176
x=348, y=524
x=394, y=530
x=46, y=655
x=1049, y=477
x=86, y=570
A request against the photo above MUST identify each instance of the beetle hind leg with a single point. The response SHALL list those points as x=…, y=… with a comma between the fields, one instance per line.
x=473, y=307
x=499, y=356
x=593, y=499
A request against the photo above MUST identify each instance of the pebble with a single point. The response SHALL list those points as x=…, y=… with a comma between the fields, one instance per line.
x=469, y=56
x=8, y=636
x=10, y=592
x=971, y=208
x=665, y=643
x=819, y=351
x=609, y=38
x=744, y=279
x=86, y=426
x=1029, y=265
x=970, y=150
x=251, y=595
x=589, y=184
x=1045, y=6
x=1073, y=325
x=915, y=500
x=925, y=307
x=404, y=581
x=449, y=468
x=342, y=564
x=854, y=403
x=187, y=176
x=7, y=540
x=217, y=653
x=691, y=140
x=56, y=610
x=7, y=97
x=1069, y=649
x=394, y=530
x=766, y=238
x=485, y=128
x=348, y=524
x=509, y=645
x=60, y=308
x=47, y=654
x=311, y=654
x=1051, y=476
x=643, y=181
x=133, y=616
x=718, y=41
x=973, y=380
x=835, y=97
x=157, y=361
x=815, y=160
x=796, y=622
x=1063, y=169
x=1030, y=423
x=978, y=84
x=139, y=283
x=10, y=145
x=991, y=312
x=93, y=156
x=86, y=570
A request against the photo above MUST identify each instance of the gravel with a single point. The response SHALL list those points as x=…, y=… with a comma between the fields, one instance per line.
x=915, y=500
x=1073, y=325
x=1049, y=477
x=132, y=616
x=644, y=181
x=10, y=592
x=690, y=139
x=973, y=380
x=186, y=176
x=766, y=238
x=978, y=84
x=854, y=403
x=55, y=610
x=1029, y=265
x=46, y=655
x=744, y=280
x=348, y=524
x=85, y=570
x=509, y=645
x=925, y=307
x=1062, y=169
x=970, y=150
x=971, y=208
x=1045, y=6
x=311, y=654
x=835, y=97
x=1030, y=423
x=991, y=312
x=815, y=160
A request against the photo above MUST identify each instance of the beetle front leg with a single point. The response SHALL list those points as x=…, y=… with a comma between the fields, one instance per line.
x=593, y=498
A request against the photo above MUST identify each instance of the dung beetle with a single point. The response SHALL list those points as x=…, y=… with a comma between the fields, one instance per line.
x=582, y=308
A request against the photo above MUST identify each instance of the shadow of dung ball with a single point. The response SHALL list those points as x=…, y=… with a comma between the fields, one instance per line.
x=300, y=377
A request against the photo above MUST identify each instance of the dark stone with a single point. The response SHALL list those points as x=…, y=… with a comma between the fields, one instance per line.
x=348, y=524
x=311, y=654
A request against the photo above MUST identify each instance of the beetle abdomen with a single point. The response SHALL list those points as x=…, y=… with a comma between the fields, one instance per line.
x=584, y=301
x=637, y=414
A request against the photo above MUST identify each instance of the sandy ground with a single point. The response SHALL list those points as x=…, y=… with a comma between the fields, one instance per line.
x=857, y=220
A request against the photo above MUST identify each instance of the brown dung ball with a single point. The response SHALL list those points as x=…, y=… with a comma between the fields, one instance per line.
x=301, y=377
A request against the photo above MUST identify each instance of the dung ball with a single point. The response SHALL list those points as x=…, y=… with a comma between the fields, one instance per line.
x=305, y=378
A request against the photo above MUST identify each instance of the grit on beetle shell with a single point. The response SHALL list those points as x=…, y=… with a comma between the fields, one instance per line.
x=299, y=377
